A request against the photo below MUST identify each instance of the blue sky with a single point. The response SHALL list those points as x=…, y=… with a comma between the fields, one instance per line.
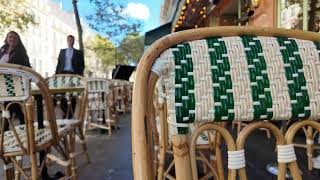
x=151, y=21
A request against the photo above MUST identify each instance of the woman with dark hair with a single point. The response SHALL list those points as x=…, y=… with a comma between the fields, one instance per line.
x=13, y=51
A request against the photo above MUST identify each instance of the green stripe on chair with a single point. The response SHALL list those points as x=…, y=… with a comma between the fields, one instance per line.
x=9, y=85
x=221, y=78
x=317, y=44
x=241, y=78
x=260, y=84
x=184, y=99
x=300, y=102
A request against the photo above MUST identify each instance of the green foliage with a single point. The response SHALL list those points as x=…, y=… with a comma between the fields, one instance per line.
x=104, y=49
x=132, y=47
x=110, y=18
x=13, y=14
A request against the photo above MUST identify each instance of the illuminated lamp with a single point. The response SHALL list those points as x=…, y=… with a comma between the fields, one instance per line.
x=255, y=3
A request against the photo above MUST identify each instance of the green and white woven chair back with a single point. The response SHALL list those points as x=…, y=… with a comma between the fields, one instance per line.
x=98, y=85
x=66, y=81
x=242, y=78
x=15, y=84
x=98, y=89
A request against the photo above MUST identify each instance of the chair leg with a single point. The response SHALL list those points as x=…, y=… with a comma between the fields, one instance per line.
x=219, y=156
x=239, y=124
x=9, y=170
x=309, y=137
x=109, y=127
x=17, y=172
x=67, y=147
x=181, y=157
x=72, y=141
x=84, y=144
x=34, y=166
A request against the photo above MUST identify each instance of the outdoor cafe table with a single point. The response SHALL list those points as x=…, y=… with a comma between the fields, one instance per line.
x=37, y=95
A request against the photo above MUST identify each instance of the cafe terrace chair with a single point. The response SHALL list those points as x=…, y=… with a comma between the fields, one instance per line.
x=227, y=74
x=163, y=150
x=26, y=140
x=120, y=95
x=74, y=116
x=99, y=113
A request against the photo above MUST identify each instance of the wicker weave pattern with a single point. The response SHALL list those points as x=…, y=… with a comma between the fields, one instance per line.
x=13, y=87
x=42, y=136
x=97, y=85
x=65, y=81
x=97, y=89
x=240, y=78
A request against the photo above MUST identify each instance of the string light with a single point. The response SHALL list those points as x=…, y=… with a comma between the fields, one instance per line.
x=204, y=16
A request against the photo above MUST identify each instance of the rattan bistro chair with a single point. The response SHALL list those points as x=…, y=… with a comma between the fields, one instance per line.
x=99, y=111
x=28, y=139
x=76, y=104
x=228, y=74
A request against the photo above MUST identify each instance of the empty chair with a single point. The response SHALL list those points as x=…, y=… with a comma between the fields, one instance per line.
x=225, y=74
x=31, y=137
x=71, y=96
x=99, y=109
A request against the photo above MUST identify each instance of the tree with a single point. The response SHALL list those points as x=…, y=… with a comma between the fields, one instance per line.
x=13, y=14
x=132, y=47
x=104, y=49
x=76, y=14
x=110, y=19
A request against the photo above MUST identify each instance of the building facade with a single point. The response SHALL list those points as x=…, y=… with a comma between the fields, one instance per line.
x=261, y=13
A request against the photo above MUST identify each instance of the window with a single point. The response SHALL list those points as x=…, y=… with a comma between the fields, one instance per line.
x=291, y=14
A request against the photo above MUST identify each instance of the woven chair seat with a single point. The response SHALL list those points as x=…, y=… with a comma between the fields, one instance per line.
x=240, y=78
x=68, y=122
x=42, y=136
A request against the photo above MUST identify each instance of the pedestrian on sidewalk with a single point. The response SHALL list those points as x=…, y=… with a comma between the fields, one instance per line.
x=14, y=52
x=70, y=60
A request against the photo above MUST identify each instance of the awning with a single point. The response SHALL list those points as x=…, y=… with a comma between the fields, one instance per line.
x=122, y=72
x=157, y=33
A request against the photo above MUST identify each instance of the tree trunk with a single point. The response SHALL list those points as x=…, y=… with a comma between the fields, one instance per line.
x=76, y=14
x=312, y=15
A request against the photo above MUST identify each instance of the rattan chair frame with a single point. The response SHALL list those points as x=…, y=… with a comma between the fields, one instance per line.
x=145, y=83
x=28, y=107
x=79, y=114
x=106, y=110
